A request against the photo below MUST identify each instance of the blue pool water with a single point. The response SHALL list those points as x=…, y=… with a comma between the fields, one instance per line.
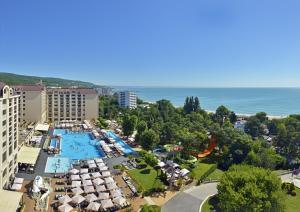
x=127, y=148
x=78, y=146
x=57, y=165
x=53, y=143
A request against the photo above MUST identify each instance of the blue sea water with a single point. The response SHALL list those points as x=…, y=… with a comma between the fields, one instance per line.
x=274, y=101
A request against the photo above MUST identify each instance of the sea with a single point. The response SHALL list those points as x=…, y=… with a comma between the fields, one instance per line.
x=277, y=102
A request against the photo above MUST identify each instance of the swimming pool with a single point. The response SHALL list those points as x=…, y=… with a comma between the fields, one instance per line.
x=78, y=145
x=57, y=165
x=127, y=148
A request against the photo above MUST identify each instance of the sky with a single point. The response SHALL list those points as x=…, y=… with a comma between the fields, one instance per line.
x=173, y=43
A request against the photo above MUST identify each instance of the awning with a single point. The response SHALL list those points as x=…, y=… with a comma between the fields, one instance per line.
x=42, y=127
x=28, y=155
x=10, y=200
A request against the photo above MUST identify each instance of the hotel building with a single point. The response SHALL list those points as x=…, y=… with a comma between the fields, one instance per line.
x=127, y=99
x=33, y=103
x=72, y=104
x=9, y=110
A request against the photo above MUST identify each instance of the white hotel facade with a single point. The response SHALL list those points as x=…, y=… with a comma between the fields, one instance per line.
x=127, y=99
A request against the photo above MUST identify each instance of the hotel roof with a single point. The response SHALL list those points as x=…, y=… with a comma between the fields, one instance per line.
x=29, y=87
x=80, y=90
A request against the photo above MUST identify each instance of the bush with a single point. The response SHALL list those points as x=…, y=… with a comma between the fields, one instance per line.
x=208, y=172
x=293, y=193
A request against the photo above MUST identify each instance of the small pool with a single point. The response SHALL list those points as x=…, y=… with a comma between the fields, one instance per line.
x=127, y=148
x=78, y=145
x=57, y=165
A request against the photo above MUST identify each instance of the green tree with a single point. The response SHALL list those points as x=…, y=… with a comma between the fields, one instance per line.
x=222, y=113
x=129, y=124
x=148, y=139
x=247, y=188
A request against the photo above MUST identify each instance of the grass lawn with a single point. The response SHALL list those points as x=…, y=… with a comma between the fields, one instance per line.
x=216, y=175
x=146, y=177
x=292, y=204
x=200, y=169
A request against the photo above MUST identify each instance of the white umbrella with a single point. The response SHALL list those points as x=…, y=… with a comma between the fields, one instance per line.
x=64, y=199
x=119, y=200
x=96, y=174
x=92, y=165
x=77, y=190
x=16, y=186
x=111, y=186
x=76, y=184
x=85, y=176
x=84, y=171
x=103, y=195
x=98, y=181
x=93, y=206
x=90, y=161
x=98, y=160
x=106, y=174
x=116, y=193
x=89, y=189
x=65, y=208
x=75, y=177
x=100, y=164
x=107, y=203
x=103, y=168
x=91, y=197
x=87, y=183
x=109, y=180
x=74, y=171
x=78, y=199
x=18, y=180
x=100, y=188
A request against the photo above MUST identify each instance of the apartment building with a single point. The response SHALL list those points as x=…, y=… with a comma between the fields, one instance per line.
x=127, y=99
x=9, y=110
x=33, y=103
x=72, y=104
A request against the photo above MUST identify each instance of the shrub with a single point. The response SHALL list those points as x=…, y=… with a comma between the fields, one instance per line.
x=208, y=172
x=293, y=193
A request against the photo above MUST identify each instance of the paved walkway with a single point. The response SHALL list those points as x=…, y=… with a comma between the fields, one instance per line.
x=191, y=199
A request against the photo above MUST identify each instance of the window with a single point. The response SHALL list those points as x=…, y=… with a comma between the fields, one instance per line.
x=4, y=156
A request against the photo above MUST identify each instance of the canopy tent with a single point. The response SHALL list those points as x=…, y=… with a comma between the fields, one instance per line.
x=92, y=165
x=111, y=186
x=78, y=199
x=65, y=199
x=109, y=180
x=74, y=171
x=93, y=206
x=100, y=188
x=28, y=155
x=116, y=193
x=77, y=190
x=84, y=171
x=85, y=176
x=99, y=160
x=119, y=200
x=87, y=183
x=107, y=203
x=98, y=181
x=96, y=174
x=103, y=195
x=42, y=127
x=75, y=177
x=76, y=184
x=91, y=197
x=90, y=161
x=106, y=173
x=65, y=208
x=89, y=189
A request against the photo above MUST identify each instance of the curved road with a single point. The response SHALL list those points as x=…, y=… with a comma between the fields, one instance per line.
x=190, y=200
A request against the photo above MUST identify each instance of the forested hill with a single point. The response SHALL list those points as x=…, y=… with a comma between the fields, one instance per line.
x=15, y=79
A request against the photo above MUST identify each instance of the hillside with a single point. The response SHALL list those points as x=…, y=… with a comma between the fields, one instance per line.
x=15, y=79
